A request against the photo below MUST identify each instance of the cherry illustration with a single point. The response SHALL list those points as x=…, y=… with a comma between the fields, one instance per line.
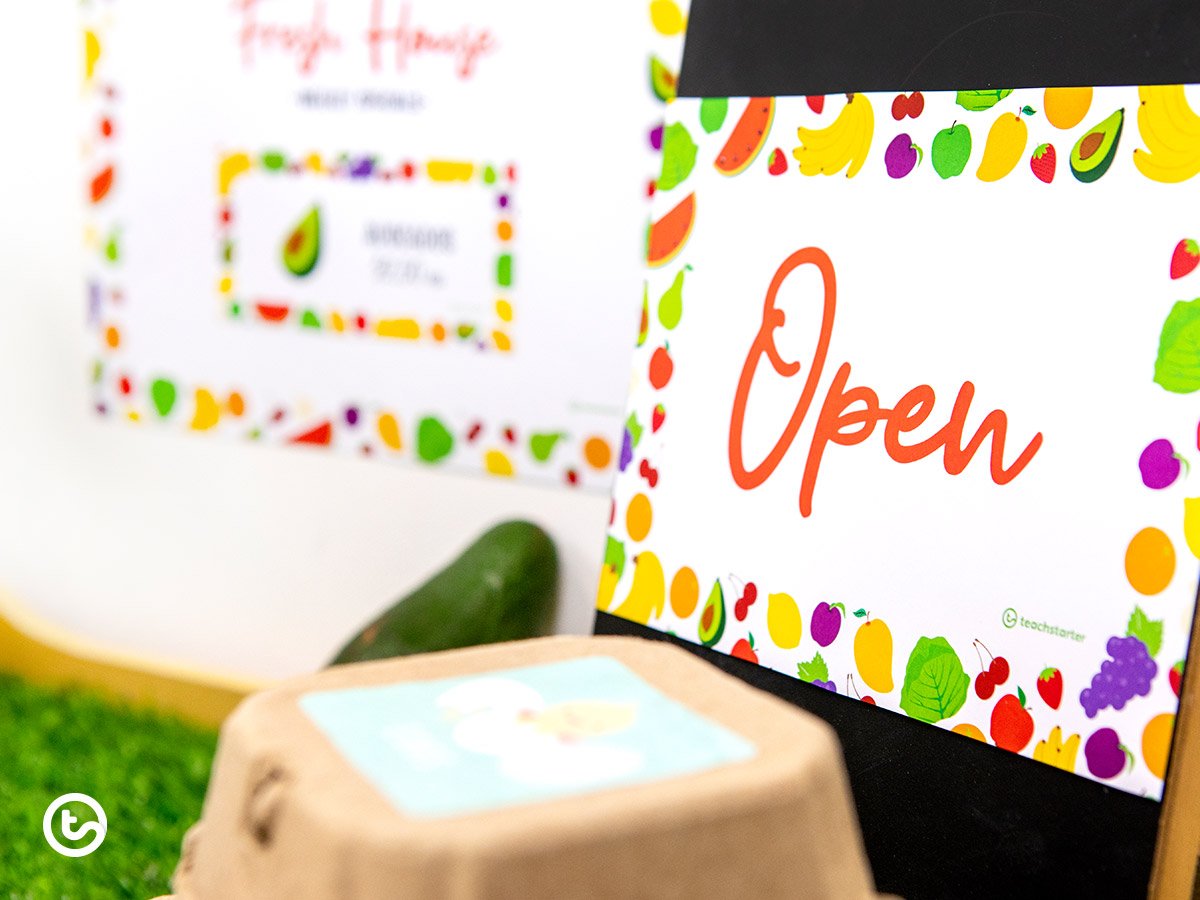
x=999, y=668
x=851, y=686
x=749, y=594
x=991, y=676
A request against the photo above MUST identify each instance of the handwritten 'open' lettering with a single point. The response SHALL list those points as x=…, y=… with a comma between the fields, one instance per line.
x=909, y=413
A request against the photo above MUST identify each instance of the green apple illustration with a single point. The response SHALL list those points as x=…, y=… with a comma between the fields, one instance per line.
x=951, y=150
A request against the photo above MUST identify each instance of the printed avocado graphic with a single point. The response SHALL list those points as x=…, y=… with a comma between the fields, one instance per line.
x=302, y=246
x=662, y=80
x=712, y=617
x=1094, y=152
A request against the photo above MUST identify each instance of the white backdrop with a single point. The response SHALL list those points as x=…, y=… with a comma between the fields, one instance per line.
x=252, y=559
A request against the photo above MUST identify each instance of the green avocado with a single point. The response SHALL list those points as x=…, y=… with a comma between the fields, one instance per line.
x=302, y=246
x=1094, y=152
x=504, y=587
x=712, y=617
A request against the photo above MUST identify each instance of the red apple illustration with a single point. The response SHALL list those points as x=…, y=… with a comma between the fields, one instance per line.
x=744, y=649
x=1176, y=677
x=661, y=367
x=1012, y=725
x=1050, y=686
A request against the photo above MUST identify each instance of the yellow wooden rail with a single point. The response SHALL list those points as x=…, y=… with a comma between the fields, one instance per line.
x=46, y=654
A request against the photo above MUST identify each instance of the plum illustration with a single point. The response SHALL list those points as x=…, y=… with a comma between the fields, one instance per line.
x=901, y=156
x=1160, y=464
x=1106, y=756
x=826, y=622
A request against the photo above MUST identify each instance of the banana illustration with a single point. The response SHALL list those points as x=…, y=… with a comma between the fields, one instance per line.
x=826, y=151
x=1171, y=132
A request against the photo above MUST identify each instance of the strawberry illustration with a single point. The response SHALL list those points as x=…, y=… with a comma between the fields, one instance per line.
x=1050, y=686
x=816, y=102
x=777, y=164
x=1042, y=162
x=1185, y=258
x=1176, y=677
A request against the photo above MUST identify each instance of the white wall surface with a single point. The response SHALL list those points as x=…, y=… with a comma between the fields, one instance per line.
x=252, y=559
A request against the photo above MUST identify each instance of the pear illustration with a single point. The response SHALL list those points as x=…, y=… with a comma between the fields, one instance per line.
x=670, y=305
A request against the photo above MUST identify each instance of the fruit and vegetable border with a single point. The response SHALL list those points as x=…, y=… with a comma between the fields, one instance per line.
x=851, y=652
x=464, y=442
x=276, y=311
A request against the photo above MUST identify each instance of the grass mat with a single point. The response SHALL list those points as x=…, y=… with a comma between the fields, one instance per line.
x=147, y=770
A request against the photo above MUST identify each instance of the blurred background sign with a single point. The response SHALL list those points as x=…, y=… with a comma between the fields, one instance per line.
x=379, y=227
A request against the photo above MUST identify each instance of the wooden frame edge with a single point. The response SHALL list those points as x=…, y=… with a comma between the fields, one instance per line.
x=43, y=653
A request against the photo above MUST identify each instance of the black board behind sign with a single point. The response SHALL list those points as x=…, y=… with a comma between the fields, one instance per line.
x=944, y=816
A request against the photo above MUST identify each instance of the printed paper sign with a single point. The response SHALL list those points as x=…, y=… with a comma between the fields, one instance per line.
x=381, y=226
x=913, y=416
x=463, y=745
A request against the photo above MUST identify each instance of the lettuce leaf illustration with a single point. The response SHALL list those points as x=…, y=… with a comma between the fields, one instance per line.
x=814, y=670
x=1148, y=631
x=1177, y=368
x=977, y=101
x=678, y=156
x=935, y=685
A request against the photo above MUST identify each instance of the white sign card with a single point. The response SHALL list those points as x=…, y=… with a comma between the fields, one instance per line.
x=914, y=415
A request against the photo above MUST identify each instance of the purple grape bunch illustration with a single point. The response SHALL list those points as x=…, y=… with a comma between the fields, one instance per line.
x=1129, y=670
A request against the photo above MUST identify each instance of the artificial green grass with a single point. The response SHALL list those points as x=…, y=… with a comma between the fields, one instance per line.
x=149, y=772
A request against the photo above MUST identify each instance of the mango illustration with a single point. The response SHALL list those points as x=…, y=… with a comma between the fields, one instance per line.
x=648, y=595
x=1004, y=148
x=873, y=655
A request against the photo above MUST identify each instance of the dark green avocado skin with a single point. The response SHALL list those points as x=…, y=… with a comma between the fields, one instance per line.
x=504, y=587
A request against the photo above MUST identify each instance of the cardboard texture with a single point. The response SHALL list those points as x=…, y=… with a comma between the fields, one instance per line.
x=288, y=815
